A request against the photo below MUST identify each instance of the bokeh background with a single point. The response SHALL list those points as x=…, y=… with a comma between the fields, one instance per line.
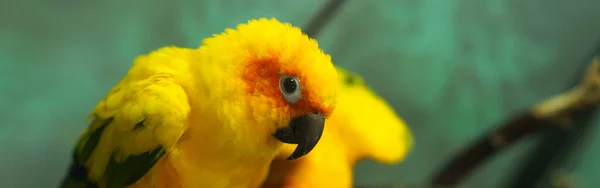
x=452, y=69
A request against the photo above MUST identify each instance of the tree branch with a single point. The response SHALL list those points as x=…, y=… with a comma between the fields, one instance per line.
x=554, y=113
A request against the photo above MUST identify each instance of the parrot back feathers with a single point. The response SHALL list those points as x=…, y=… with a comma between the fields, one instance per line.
x=133, y=128
x=132, y=169
x=77, y=176
x=117, y=174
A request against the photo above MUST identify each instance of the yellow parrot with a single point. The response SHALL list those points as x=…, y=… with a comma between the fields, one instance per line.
x=215, y=116
x=362, y=126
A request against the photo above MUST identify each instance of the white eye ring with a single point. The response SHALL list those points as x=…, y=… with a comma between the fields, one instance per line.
x=290, y=88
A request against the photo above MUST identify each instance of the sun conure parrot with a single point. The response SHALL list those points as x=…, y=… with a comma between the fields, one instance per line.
x=362, y=126
x=215, y=116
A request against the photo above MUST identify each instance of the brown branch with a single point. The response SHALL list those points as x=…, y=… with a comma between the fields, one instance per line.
x=556, y=148
x=550, y=154
x=489, y=145
x=551, y=113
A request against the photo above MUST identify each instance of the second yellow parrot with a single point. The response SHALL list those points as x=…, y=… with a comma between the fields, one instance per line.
x=362, y=126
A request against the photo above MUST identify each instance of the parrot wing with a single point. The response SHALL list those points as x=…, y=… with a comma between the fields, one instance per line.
x=132, y=128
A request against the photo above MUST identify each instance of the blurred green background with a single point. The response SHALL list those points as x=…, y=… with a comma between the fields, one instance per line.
x=452, y=69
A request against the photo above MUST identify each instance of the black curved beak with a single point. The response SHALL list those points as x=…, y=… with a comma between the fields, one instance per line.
x=304, y=130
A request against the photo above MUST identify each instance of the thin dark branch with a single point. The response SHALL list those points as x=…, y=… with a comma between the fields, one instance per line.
x=556, y=149
x=487, y=146
x=512, y=131
x=318, y=21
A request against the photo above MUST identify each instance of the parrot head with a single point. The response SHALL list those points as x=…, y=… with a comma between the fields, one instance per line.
x=287, y=85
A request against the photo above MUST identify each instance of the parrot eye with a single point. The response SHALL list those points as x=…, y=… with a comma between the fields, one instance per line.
x=290, y=88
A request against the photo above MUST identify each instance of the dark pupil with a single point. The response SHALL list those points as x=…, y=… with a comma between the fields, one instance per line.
x=290, y=85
